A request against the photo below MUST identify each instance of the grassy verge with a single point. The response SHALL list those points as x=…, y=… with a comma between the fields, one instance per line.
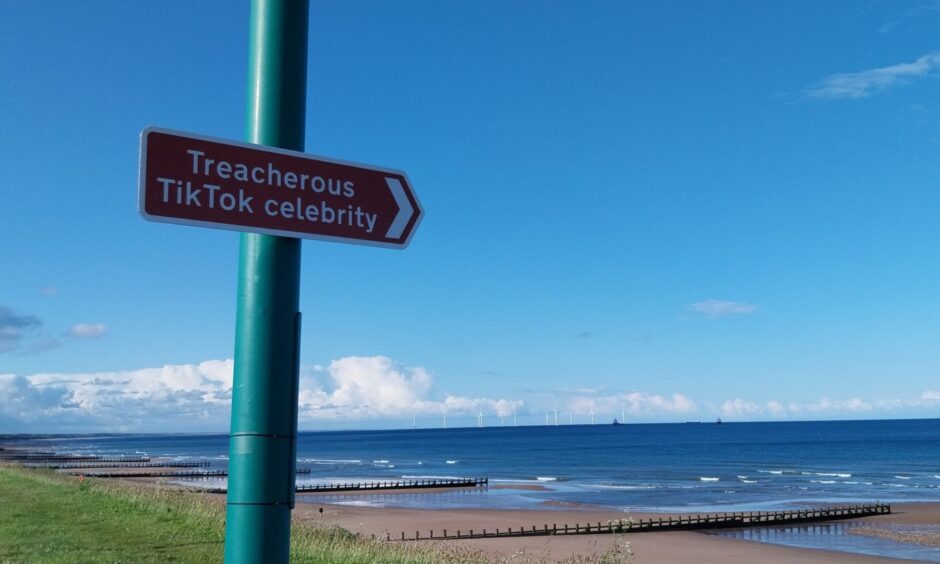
x=47, y=517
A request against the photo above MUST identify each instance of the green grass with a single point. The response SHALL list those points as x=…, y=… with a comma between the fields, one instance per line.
x=48, y=517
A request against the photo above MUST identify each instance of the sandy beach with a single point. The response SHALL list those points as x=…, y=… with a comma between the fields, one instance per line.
x=659, y=547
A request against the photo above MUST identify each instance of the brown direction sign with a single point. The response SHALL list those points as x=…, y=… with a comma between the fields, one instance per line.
x=196, y=180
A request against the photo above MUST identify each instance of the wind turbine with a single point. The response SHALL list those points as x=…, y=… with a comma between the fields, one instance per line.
x=513, y=416
x=556, y=417
x=592, y=416
x=480, y=420
x=570, y=418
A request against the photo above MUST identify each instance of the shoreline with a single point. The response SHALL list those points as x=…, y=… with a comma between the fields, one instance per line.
x=647, y=548
x=357, y=513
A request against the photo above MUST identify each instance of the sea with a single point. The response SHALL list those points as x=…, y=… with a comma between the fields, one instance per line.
x=681, y=467
x=675, y=468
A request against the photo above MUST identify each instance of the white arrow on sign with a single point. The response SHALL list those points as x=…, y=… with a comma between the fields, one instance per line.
x=405, y=211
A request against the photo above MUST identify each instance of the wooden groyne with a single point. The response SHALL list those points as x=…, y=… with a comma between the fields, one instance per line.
x=683, y=523
x=188, y=475
x=66, y=458
x=132, y=474
x=133, y=464
x=395, y=485
x=383, y=486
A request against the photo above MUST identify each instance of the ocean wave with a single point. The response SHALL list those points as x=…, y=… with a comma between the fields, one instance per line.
x=380, y=462
x=903, y=477
x=749, y=481
x=358, y=503
x=327, y=461
x=546, y=479
x=832, y=474
x=708, y=479
x=774, y=472
x=626, y=487
x=429, y=477
x=822, y=481
x=451, y=461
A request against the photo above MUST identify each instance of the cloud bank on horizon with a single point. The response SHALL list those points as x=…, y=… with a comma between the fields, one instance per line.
x=197, y=398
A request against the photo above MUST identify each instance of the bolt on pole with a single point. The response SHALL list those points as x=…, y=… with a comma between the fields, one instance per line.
x=262, y=444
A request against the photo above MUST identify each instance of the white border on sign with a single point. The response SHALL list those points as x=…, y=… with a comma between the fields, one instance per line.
x=142, y=191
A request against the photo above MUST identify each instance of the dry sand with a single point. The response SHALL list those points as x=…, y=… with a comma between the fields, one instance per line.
x=658, y=547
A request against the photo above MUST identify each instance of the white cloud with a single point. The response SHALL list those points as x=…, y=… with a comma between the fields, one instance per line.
x=865, y=83
x=720, y=308
x=633, y=403
x=826, y=407
x=738, y=407
x=376, y=386
x=776, y=408
x=185, y=397
x=197, y=397
x=87, y=330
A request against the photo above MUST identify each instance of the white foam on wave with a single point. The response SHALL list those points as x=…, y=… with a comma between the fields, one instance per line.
x=903, y=477
x=358, y=503
x=708, y=479
x=774, y=472
x=429, y=477
x=749, y=481
x=822, y=481
x=451, y=461
x=546, y=479
x=831, y=474
x=330, y=461
x=625, y=487
x=380, y=462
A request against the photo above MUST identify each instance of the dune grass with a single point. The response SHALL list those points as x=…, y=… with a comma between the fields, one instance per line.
x=48, y=517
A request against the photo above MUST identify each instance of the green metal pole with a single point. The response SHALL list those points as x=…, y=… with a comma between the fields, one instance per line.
x=262, y=446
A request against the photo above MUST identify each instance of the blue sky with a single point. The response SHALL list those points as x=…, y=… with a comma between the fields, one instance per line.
x=676, y=209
